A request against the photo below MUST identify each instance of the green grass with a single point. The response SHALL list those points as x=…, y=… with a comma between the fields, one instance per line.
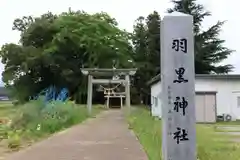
x=7, y=109
x=210, y=145
x=33, y=121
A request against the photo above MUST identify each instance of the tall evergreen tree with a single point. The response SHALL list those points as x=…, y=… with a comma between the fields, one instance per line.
x=153, y=41
x=146, y=41
x=140, y=56
x=209, y=49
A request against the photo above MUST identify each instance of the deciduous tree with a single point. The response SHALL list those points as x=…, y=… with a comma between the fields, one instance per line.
x=53, y=49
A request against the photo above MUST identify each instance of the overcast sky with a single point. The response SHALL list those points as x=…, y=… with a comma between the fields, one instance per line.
x=126, y=12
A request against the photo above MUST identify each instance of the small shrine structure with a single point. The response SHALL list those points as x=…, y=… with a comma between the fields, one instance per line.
x=109, y=76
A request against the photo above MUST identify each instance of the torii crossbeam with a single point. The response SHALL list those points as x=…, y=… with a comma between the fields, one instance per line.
x=94, y=72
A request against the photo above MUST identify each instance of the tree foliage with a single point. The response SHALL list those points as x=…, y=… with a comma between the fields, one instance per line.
x=209, y=49
x=53, y=48
x=146, y=41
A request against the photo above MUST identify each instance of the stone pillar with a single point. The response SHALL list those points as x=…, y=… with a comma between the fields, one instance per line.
x=178, y=87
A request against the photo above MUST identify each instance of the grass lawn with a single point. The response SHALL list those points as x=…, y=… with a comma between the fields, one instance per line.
x=210, y=145
x=6, y=109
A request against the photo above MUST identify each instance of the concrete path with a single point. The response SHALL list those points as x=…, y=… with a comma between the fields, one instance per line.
x=231, y=131
x=105, y=137
x=235, y=128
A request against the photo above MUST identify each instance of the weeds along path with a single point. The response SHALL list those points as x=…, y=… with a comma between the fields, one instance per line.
x=105, y=137
x=34, y=121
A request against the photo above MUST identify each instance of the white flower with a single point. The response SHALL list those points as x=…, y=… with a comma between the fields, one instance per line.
x=38, y=127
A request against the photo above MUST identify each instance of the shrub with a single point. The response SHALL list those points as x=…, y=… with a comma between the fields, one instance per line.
x=49, y=118
x=58, y=115
x=3, y=132
x=36, y=119
x=29, y=113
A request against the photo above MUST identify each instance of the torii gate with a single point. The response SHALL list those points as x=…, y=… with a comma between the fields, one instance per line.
x=93, y=72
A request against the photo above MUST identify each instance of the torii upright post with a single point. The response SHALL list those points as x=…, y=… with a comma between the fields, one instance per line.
x=178, y=87
x=127, y=90
x=89, y=96
x=90, y=72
